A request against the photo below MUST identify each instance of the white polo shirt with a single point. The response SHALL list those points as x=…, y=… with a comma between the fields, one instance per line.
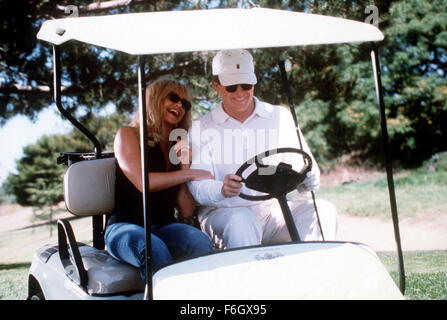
x=221, y=144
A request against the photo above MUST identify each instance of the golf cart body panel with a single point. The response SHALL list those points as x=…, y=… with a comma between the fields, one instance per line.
x=107, y=277
x=308, y=270
x=324, y=270
x=192, y=30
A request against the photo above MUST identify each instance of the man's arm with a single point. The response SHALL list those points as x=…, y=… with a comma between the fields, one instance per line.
x=212, y=192
x=205, y=192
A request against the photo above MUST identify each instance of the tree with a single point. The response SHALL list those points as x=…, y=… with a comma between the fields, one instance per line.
x=92, y=76
x=333, y=86
x=38, y=182
x=415, y=78
x=334, y=92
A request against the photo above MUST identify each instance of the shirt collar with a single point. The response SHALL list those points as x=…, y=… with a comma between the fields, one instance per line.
x=220, y=116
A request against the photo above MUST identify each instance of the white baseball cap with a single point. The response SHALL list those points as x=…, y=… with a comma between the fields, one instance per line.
x=234, y=67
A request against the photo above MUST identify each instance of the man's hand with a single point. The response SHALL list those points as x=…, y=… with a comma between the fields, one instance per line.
x=310, y=183
x=231, y=186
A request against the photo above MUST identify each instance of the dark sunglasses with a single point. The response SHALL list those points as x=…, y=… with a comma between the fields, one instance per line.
x=244, y=87
x=174, y=97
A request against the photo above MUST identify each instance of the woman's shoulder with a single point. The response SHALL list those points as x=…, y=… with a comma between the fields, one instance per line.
x=127, y=132
x=125, y=138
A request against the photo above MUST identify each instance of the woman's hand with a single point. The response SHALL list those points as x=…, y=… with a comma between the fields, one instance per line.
x=185, y=201
x=184, y=153
x=198, y=174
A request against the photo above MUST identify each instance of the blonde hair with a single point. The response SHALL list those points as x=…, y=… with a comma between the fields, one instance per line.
x=156, y=92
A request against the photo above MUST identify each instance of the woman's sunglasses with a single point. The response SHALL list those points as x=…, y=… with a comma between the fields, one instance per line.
x=244, y=87
x=174, y=97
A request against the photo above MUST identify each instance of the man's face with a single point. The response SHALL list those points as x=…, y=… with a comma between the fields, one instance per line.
x=238, y=102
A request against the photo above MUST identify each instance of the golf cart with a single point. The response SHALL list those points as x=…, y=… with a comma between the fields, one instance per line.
x=293, y=270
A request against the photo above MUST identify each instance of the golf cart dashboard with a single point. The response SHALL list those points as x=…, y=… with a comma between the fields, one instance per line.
x=68, y=158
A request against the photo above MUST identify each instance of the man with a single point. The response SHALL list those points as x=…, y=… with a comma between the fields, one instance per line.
x=240, y=128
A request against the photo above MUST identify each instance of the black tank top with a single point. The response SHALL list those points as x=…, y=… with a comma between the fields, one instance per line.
x=129, y=200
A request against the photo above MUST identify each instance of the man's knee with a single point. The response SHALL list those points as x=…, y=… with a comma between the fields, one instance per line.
x=328, y=215
x=240, y=218
x=235, y=227
x=306, y=218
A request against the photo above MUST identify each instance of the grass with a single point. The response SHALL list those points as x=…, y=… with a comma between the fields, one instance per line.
x=418, y=192
x=426, y=273
x=14, y=281
x=17, y=249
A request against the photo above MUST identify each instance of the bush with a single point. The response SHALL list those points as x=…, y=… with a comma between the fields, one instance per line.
x=437, y=162
x=5, y=196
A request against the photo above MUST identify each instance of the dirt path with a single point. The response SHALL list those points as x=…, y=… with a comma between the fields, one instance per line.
x=415, y=234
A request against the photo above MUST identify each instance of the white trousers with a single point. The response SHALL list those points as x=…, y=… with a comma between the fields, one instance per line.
x=264, y=223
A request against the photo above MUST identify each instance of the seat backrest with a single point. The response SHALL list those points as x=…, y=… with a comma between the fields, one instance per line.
x=89, y=187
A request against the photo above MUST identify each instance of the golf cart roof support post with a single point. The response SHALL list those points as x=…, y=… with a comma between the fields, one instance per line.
x=148, y=295
x=389, y=168
x=98, y=227
x=282, y=68
x=58, y=100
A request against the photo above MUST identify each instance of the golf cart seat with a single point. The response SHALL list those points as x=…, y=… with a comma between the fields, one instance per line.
x=89, y=190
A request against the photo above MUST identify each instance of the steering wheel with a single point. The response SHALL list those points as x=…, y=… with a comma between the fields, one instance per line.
x=274, y=180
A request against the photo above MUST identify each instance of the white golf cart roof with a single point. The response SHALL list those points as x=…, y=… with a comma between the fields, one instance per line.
x=203, y=30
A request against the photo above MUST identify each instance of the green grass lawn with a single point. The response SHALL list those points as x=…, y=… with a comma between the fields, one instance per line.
x=417, y=193
x=17, y=249
x=426, y=273
x=14, y=281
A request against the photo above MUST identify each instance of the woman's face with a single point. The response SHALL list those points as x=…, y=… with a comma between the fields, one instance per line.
x=173, y=110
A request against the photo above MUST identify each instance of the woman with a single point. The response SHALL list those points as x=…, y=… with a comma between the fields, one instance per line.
x=168, y=107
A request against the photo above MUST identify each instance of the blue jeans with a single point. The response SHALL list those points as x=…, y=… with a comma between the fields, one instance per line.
x=126, y=242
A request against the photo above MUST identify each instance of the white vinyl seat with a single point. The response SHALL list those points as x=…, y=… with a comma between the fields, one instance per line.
x=89, y=189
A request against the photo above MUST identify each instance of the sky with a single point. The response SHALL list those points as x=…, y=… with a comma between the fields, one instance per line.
x=19, y=131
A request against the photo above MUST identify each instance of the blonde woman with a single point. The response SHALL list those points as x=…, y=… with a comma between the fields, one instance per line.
x=168, y=108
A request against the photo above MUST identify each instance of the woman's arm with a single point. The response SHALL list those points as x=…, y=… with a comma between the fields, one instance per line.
x=127, y=153
x=185, y=202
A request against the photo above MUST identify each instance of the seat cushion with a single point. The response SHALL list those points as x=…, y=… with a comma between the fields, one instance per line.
x=107, y=275
x=89, y=187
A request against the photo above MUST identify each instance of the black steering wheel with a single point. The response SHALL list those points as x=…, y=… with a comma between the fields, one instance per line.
x=274, y=180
